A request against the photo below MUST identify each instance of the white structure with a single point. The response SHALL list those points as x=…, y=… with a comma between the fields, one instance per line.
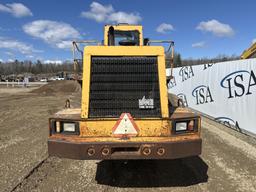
x=225, y=91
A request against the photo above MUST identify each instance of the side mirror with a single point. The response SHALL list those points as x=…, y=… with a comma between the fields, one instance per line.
x=145, y=42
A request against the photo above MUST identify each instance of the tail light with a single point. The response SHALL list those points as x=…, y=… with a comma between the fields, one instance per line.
x=191, y=125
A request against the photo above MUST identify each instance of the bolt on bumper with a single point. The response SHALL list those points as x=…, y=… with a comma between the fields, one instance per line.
x=124, y=150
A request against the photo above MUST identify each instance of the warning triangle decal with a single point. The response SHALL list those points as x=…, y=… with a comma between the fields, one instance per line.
x=125, y=126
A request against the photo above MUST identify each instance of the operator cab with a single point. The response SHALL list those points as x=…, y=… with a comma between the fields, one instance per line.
x=123, y=35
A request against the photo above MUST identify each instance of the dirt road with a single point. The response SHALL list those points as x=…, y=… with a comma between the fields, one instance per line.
x=228, y=161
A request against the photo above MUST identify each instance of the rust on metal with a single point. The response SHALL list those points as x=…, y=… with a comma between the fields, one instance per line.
x=124, y=150
x=181, y=112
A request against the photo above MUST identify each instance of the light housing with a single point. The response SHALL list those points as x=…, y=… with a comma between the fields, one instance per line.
x=60, y=126
x=185, y=125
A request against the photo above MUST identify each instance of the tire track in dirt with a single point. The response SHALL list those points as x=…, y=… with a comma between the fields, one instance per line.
x=30, y=173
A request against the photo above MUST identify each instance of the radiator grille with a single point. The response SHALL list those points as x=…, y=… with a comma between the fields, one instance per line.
x=117, y=84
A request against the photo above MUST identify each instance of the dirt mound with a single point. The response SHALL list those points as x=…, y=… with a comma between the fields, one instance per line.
x=56, y=87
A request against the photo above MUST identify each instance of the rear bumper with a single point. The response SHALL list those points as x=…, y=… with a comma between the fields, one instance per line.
x=124, y=150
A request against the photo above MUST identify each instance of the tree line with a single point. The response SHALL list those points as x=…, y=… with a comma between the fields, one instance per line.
x=179, y=62
x=20, y=67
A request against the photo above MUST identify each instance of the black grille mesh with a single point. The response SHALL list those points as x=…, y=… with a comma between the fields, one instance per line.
x=117, y=84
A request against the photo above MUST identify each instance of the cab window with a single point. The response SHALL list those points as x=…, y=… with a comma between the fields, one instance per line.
x=124, y=38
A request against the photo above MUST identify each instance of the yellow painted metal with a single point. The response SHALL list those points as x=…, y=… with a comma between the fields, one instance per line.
x=250, y=52
x=103, y=127
x=147, y=127
x=124, y=27
x=124, y=51
x=163, y=86
x=86, y=85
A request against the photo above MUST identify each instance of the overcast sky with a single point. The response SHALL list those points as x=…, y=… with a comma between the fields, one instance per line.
x=200, y=28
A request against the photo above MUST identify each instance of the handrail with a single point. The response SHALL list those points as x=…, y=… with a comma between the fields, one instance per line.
x=171, y=47
x=75, y=47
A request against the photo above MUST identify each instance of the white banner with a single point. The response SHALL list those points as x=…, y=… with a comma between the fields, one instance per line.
x=225, y=91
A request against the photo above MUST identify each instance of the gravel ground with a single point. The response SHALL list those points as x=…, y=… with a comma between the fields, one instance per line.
x=228, y=161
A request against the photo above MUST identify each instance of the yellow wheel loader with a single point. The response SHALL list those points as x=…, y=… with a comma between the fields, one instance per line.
x=125, y=112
